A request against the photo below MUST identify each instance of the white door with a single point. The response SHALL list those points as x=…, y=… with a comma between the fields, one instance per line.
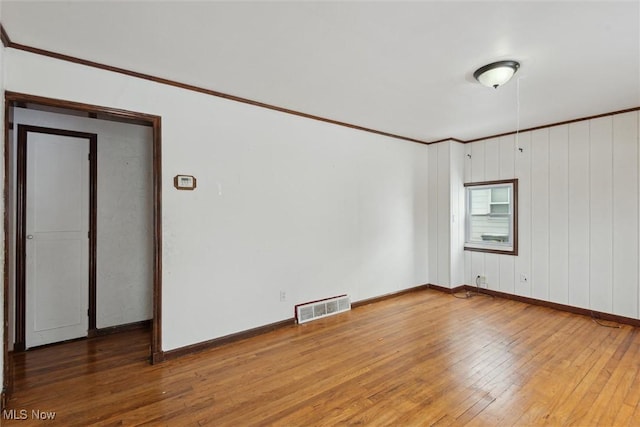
x=57, y=243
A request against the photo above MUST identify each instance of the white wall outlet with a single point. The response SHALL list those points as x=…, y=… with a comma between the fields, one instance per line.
x=481, y=280
x=523, y=278
x=283, y=296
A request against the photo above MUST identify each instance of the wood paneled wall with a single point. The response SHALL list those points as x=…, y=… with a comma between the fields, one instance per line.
x=439, y=211
x=578, y=213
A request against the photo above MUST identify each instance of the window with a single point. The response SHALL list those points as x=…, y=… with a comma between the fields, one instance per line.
x=492, y=217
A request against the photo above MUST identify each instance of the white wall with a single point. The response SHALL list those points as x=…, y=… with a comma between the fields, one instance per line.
x=283, y=203
x=124, y=279
x=578, y=213
x=446, y=224
x=439, y=212
x=457, y=203
x=295, y=205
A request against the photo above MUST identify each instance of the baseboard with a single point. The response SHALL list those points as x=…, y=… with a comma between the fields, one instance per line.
x=206, y=345
x=217, y=342
x=388, y=296
x=157, y=357
x=133, y=326
x=447, y=290
x=562, y=307
x=533, y=301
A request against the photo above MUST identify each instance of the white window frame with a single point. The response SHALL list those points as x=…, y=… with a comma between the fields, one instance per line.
x=508, y=247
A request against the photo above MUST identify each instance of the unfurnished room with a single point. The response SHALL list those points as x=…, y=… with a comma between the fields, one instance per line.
x=319, y=213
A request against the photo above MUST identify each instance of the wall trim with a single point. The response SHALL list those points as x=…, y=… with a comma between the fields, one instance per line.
x=6, y=40
x=565, y=122
x=227, y=339
x=7, y=377
x=20, y=244
x=514, y=231
x=127, y=327
x=447, y=290
x=533, y=301
x=447, y=140
x=561, y=307
x=8, y=43
x=390, y=295
x=4, y=37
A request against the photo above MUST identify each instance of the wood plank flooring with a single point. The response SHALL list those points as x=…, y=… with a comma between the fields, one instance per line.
x=424, y=358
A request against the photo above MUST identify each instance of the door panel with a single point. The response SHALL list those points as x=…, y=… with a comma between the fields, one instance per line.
x=57, y=284
x=57, y=238
x=57, y=176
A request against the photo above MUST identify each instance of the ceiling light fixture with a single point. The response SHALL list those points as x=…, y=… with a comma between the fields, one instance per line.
x=497, y=73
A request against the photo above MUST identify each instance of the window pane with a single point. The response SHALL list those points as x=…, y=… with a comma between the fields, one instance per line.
x=485, y=228
x=500, y=195
x=491, y=216
x=480, y=201
x=499, y=208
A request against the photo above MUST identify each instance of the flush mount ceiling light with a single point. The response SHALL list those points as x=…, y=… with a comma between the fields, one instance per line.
x=497, y=73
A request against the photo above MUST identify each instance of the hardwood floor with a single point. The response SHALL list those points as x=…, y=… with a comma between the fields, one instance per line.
x=424, y=358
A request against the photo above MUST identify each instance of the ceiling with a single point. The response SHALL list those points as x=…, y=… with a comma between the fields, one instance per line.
x=399, y=67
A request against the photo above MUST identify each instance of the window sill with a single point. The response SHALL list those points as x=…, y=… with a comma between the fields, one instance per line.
x=492, y=249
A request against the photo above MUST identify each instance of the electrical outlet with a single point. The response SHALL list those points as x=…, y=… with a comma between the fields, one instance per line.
x=481, y=280
x=283, y=296
x=523, y=278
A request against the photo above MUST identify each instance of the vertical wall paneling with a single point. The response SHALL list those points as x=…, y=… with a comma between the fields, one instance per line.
x=559, y=214
x=507, y=171
x=432, y=209
x=444, y=214
x=477, y=175
x=625, y=214
x=492, y=271
x=492, y=159
x=467, y=267
x=540, y=214
x=523, y=173
x=477, y=266
x=507, y=157
x=601, y=214
x=457, y=166
x=467, y=178
x=579, y=214
x=507, y=274
x=477, y=161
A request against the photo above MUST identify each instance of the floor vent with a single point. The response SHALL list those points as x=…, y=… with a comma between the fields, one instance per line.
x=322, y=308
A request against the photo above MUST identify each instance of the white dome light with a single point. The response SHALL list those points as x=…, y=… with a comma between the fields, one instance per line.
x=497, y=73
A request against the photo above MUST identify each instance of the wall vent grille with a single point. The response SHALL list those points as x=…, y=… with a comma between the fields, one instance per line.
x=318, y=309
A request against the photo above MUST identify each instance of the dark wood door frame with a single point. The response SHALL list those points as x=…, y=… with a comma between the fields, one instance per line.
x=31, y=101
x=21, y=226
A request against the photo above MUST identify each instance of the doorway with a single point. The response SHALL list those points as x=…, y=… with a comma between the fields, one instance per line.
x=55, y=236
x=70, y=108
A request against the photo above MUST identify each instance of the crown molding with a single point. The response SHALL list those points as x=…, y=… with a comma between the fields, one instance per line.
x=565, y=122
x=6, y=41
